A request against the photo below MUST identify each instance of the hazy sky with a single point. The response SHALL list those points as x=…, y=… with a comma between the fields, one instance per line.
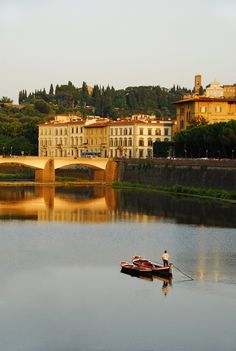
x=117, y=42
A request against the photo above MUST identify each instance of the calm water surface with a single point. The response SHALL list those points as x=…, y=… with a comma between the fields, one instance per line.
x=62, y=290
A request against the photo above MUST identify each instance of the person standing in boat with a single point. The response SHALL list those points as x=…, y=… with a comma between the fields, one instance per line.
x=165, y=258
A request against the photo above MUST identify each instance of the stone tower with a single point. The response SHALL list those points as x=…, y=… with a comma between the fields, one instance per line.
x=197, y=83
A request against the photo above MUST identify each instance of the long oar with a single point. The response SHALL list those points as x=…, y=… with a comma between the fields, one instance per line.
x=183, y=272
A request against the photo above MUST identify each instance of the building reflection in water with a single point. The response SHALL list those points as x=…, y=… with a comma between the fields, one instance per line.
x=89, y=204
x=101, y=204
x=80, y=204
x=52, y=204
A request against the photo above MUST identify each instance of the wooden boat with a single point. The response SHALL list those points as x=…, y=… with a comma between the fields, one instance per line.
x=133, y=269
x=158, y=269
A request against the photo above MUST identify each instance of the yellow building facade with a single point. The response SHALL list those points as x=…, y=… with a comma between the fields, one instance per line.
x=135, y=138
x=71, y=137
x=96, y=139
x=198, y=108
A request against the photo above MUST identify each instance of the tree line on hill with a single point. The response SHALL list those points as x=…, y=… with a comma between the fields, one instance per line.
x=19, y=123
x=19, y=128
x=105, y=101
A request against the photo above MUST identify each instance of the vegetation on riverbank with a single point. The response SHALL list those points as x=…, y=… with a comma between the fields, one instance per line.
x=16, y=176
x=180, y=190
x=68, y=179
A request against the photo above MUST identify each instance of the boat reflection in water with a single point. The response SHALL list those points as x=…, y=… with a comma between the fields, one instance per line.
x=165, y=282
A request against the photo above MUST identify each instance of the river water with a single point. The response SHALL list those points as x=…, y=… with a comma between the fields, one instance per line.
x=62, y=289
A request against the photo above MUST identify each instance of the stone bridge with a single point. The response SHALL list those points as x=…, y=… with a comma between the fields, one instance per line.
x=45, y=166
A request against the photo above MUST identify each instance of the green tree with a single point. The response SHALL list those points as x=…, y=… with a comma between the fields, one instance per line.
x=6, y=100
x=51, y=90
x=41, y=106
x=213, y=140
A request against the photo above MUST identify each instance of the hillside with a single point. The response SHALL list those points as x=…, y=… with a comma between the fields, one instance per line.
x=18, y=123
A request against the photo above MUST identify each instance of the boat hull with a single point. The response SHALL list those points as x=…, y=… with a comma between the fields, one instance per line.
x=157, y=269
x=162, y=272
x=132, y=269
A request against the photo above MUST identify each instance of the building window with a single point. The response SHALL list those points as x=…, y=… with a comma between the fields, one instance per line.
x=130, y=131
x=149, y=131
x=218, y=109
x=120, y=131
x=141, y=142
x=130, y=141
x=181, y=124
x=140, y=131
x=166, y=131
x=149, y=142
x=158, y=131
x=125, y=131
x=203, y=109
x=188, y=116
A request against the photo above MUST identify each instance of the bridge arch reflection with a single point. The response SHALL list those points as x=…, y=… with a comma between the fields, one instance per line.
x=54, y=204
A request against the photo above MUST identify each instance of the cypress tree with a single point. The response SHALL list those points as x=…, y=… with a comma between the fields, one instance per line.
x=51, y=90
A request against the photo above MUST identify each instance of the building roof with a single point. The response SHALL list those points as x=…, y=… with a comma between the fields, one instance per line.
x=150, y=123
x=206, y=99
x=97, y=125
x=60, y=124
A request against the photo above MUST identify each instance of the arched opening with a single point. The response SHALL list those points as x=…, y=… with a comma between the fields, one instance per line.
x=79, y=172
x=15, y=171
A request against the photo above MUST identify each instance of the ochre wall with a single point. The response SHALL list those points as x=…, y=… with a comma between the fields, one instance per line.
x=111, y=171
x=46, y=175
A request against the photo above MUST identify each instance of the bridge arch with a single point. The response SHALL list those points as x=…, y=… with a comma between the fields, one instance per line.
x=45, y=166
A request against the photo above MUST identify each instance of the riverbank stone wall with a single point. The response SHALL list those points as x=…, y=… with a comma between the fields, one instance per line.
x=215, y=174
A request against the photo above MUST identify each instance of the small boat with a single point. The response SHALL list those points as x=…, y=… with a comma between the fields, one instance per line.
x=133, y=269
x=158, y=269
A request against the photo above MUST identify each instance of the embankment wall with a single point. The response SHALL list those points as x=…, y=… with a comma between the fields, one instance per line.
x=216, y=174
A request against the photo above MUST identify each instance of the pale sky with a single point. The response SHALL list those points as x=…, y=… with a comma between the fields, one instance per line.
x=117, y=42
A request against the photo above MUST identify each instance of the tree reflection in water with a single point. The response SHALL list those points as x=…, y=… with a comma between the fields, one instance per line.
x=104, y=204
